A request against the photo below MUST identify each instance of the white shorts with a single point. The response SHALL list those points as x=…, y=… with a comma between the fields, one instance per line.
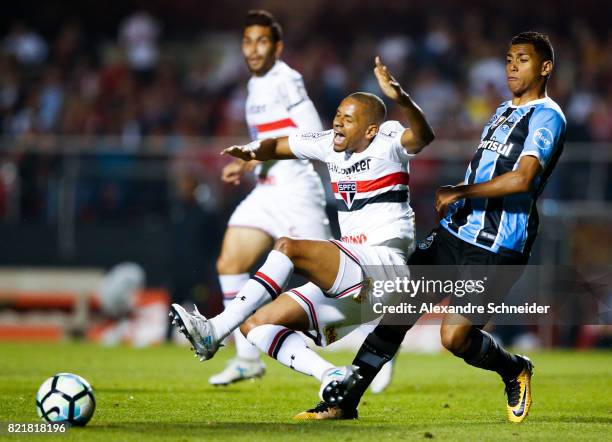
x=332, y=318
x=282, y=211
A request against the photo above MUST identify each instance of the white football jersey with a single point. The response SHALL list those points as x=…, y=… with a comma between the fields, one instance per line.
x=277, y=104
x=371, y=187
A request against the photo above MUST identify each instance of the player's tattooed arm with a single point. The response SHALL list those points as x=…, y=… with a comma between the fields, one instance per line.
x=262, y=150
x=509, y=183
x=419, y=134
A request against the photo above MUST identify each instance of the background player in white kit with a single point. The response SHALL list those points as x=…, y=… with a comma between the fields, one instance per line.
x=368, y=164
x=276, y=105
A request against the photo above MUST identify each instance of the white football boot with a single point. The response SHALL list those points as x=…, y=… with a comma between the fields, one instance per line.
x=197, y=329
x=336, y=383
x=237, y=370
x=383, y=378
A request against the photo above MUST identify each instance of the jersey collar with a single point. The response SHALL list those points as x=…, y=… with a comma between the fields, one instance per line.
x=529, y=103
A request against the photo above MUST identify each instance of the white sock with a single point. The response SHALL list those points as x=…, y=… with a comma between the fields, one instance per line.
x=289, y=348
x=262, y=288
x=230, y=286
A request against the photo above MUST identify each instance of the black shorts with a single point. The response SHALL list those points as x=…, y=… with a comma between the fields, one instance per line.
x=442, y=255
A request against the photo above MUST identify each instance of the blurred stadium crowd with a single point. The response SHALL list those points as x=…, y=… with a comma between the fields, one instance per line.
x=150, y=79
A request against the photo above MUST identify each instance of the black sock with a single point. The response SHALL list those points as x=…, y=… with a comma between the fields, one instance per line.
x=379, y=348
x=484, y=352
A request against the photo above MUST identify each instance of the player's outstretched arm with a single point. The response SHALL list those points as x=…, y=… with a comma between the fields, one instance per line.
x=262, y=150
x=419, y=134
x=516, y=181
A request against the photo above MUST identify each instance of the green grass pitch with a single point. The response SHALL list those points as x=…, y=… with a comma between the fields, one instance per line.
x=162, y=394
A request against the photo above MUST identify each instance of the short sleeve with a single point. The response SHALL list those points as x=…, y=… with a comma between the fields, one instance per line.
x=292, y=91
x=392, y=132
x=546, y=129
x=311, y=145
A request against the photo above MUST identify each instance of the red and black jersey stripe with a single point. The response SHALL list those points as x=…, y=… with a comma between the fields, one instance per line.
x=363, y=186
x=393, y=196
x=392, y=179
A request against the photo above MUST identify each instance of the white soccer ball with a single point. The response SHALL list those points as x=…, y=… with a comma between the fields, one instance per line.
x=66, y=398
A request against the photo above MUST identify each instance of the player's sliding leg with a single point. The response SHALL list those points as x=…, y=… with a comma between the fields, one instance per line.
x=206, y=335
x=241, y=249
x=247, y=364
x=478, y=348
x=318, y=261
x=273, y=330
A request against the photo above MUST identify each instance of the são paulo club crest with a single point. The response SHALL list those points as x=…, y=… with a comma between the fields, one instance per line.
x=347, y=191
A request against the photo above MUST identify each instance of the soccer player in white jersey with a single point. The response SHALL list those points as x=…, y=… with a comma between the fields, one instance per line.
x=368, y=163
x=289, y=199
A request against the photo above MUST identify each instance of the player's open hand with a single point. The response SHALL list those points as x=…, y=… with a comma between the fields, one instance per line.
x=242, y=152
x=233, y=172
x=388, y=84
x=445, y=196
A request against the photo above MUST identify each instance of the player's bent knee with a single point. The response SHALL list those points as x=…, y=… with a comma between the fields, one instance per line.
x=255, y=320
x=228, y=266
x=287, y=246
x=248, y=325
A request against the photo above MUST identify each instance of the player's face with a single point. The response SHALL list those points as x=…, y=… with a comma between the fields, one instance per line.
x=259, y=50
x=351, y=127
x=523, y=69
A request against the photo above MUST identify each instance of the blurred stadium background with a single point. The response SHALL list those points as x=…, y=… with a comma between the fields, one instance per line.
x=112, y=117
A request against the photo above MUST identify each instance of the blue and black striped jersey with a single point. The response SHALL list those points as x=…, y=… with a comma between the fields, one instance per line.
x=508, y=225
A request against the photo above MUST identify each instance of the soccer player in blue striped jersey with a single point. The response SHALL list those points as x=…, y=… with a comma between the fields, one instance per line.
x=488, y=219
x=496, y=207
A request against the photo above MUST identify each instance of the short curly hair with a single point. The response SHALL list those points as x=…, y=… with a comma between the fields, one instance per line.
x=540, y=42
x=259, y=17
